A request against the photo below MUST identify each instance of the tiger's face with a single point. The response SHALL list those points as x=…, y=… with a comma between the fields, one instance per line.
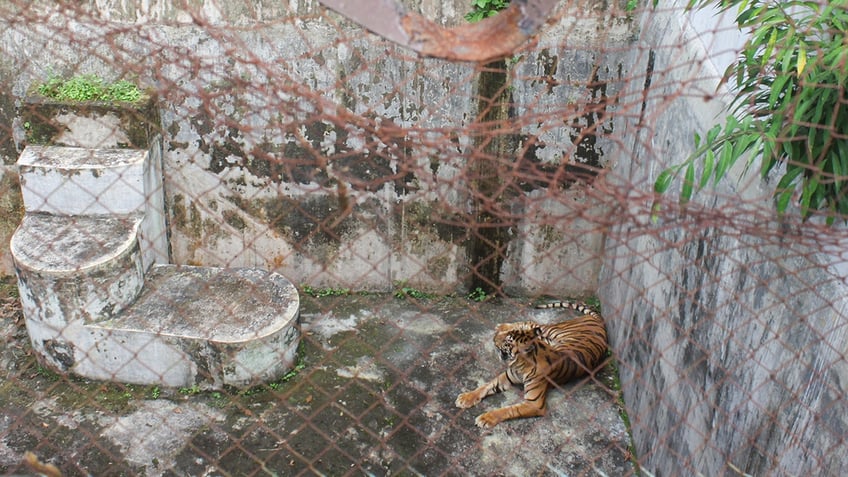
x=513, y=339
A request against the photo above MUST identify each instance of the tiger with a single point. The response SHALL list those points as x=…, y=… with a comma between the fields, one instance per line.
x=538, y=356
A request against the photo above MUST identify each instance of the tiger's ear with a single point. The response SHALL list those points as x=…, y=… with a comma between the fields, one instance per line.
x=537, y=331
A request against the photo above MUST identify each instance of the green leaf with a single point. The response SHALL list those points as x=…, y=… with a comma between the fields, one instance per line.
x=783, y=200
x=787, y=180
x=713, y=133
x=663, y=181
x=777, y=89
x=709, y=162
x=807, y=192
x=725, y=161
x=688, y=180
x=769, y=47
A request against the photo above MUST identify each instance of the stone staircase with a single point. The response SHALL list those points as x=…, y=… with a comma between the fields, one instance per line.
x=100, y=299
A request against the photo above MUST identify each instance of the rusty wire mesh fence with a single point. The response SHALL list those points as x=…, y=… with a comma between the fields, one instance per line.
x=288, y=251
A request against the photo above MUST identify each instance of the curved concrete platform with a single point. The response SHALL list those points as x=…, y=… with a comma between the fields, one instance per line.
x=83, y=268
x=201, y=326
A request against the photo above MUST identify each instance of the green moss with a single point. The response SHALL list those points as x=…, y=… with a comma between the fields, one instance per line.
x=90, y=87
x=324, y=292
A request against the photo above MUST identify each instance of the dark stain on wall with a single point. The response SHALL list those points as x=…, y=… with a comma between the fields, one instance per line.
x=488, y=171
x=315, y=225
x=445, y=224
x=589, y=126
x=186, y=217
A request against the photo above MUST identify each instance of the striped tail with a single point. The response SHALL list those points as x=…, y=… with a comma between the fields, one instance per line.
x=574, y=305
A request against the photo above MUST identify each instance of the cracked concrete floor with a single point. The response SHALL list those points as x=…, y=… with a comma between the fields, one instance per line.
x=374, y=397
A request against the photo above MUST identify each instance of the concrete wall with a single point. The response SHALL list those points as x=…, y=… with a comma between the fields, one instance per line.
x=729, y=324
x=257, y=95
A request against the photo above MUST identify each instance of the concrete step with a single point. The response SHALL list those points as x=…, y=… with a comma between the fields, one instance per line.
x=78, y=181
x=91, y=310
x=85, y=268
x=98, y=301
x=198, y=326
x=73, y=181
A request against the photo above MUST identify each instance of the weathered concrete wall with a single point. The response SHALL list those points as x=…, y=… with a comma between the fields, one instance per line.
x=257, y=97
x=729, y=325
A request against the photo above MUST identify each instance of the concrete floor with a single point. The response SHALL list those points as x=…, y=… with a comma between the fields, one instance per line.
x=374, y=396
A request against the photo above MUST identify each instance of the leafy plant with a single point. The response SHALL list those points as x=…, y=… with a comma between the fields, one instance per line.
x=190, y=391
x=89, y=88
x=402, y=291
x=593, y=302
x=481, y=9
x=790, y=107
x=477, y=294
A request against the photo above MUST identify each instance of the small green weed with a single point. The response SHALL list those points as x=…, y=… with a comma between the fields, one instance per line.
x=325, y=292
x=402, y=291
x=218, y=400
x=191, y=391
x=47, y=373
x=253, y=391
x=478, y=295
x=481, y=9
x=593, y=302
x=291, y=374
x=155, y=392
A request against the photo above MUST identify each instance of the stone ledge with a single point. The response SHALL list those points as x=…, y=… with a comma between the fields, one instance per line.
x=202, y=326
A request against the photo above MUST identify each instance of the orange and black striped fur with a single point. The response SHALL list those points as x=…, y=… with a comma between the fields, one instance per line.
x=539, y=356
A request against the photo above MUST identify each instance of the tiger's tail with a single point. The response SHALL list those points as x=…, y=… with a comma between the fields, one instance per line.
x=574, y=305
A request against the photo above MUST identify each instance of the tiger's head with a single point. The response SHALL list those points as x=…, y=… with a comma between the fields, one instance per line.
x=514, y=339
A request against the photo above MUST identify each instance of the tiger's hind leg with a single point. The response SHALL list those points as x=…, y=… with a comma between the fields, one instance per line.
x=472, y=398
x=533, y=405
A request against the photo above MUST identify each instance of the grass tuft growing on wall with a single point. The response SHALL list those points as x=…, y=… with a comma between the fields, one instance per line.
x=89, y=88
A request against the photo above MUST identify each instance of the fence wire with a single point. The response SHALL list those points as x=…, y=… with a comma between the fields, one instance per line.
x=288, y=252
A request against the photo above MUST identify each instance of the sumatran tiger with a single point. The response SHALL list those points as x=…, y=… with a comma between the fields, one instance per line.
x=539, y=356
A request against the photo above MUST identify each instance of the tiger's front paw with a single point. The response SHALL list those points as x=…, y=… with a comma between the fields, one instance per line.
x=466, y=400
x=487, y=420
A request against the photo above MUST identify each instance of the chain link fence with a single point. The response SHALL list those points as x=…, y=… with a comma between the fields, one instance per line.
x=286, y=251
